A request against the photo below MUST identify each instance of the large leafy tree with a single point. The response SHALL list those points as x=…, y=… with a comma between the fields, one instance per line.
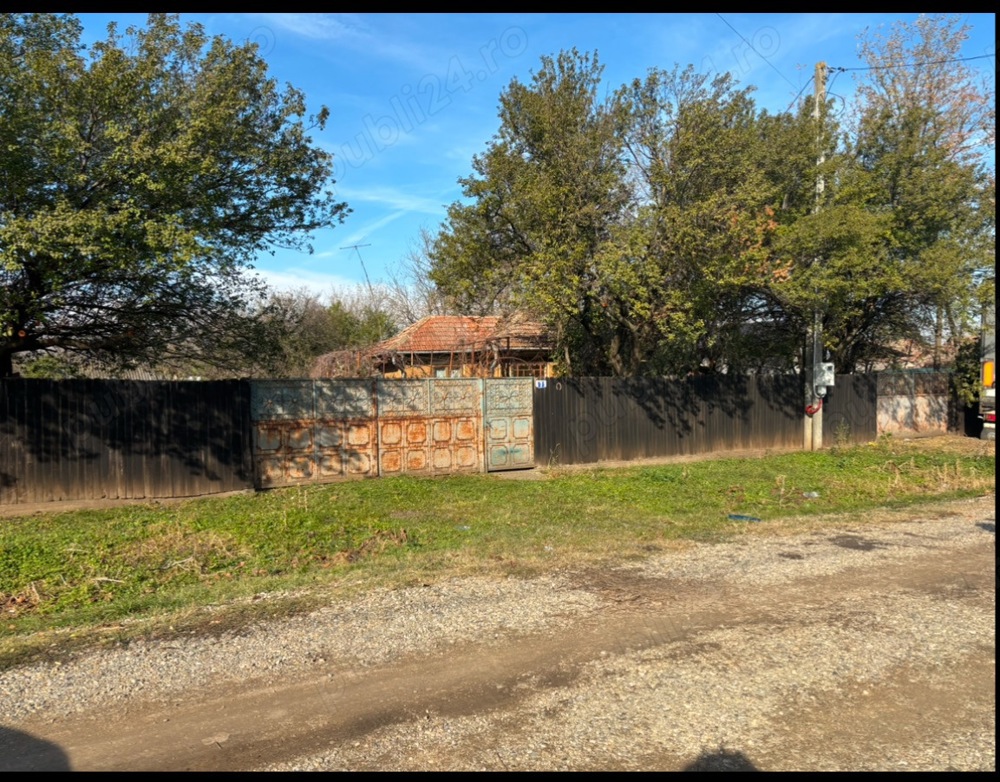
x=638, y=227
x=140, y=180
x=677, y=228
x=904, y=238
x=542, y=201
x=712, y=178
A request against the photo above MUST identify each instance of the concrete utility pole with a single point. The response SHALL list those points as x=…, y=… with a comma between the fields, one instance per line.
x=817, y=401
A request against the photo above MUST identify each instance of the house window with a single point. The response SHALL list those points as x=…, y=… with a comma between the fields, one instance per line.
x=444, y=372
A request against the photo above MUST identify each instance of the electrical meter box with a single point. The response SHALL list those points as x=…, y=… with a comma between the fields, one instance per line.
x=823, y=375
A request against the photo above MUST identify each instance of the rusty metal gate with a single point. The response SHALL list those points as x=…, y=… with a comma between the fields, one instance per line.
x=312, y=430
x=508, y=424
x=307, y=431
x=429, y=427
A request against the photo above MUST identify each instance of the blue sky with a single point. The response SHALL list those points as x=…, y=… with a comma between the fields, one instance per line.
x=413, y=97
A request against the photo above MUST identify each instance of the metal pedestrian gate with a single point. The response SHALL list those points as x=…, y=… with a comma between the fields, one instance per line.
x=508, y=424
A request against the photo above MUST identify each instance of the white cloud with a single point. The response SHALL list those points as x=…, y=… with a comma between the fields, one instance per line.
x=354, y=32
x=296, y=279
x=319, y=26
x=394, y=199
x=359, y=236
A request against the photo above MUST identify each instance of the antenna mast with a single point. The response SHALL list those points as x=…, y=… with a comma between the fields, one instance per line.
x=356, y=249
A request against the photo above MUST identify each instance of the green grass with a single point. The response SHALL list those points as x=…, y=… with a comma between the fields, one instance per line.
x=77, y=577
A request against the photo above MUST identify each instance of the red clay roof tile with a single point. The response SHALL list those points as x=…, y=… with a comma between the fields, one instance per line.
x=461, y=333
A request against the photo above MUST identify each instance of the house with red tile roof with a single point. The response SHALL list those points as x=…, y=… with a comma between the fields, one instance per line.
x=450, y=346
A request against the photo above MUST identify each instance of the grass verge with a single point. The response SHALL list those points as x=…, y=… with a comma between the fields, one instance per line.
x=75, y=579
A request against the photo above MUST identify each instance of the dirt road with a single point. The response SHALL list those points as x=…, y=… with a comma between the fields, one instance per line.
x=864, y=646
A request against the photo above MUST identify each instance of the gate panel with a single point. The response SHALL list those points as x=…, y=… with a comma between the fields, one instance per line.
x=312, y=431
x=509, y=424
x=346, y=446
x=431, y=426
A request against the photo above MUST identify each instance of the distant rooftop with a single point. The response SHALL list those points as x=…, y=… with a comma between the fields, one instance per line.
x=463, y=333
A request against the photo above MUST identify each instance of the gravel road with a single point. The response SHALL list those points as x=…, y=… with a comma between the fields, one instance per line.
x=866, y=644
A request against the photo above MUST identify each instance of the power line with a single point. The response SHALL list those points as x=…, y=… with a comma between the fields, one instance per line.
x=807, y=84
x=756, y=52
x=839, y=69
x=912, y=64
x=836, y=71
x=797, y=96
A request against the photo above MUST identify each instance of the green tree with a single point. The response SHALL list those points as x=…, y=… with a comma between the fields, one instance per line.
x=300, y=328
x=905, y=234
x=639, y=228
x=141, y=180
x=50, y=367
x=713, y=178
x=678, y=228
x=542, y=202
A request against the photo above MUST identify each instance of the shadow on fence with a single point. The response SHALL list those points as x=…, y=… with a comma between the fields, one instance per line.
x=95, y=439
x=582, y=420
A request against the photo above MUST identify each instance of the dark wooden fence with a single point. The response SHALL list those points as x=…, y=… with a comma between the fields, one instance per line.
x=850, y=410
x=583, y=420
x=91, y=439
